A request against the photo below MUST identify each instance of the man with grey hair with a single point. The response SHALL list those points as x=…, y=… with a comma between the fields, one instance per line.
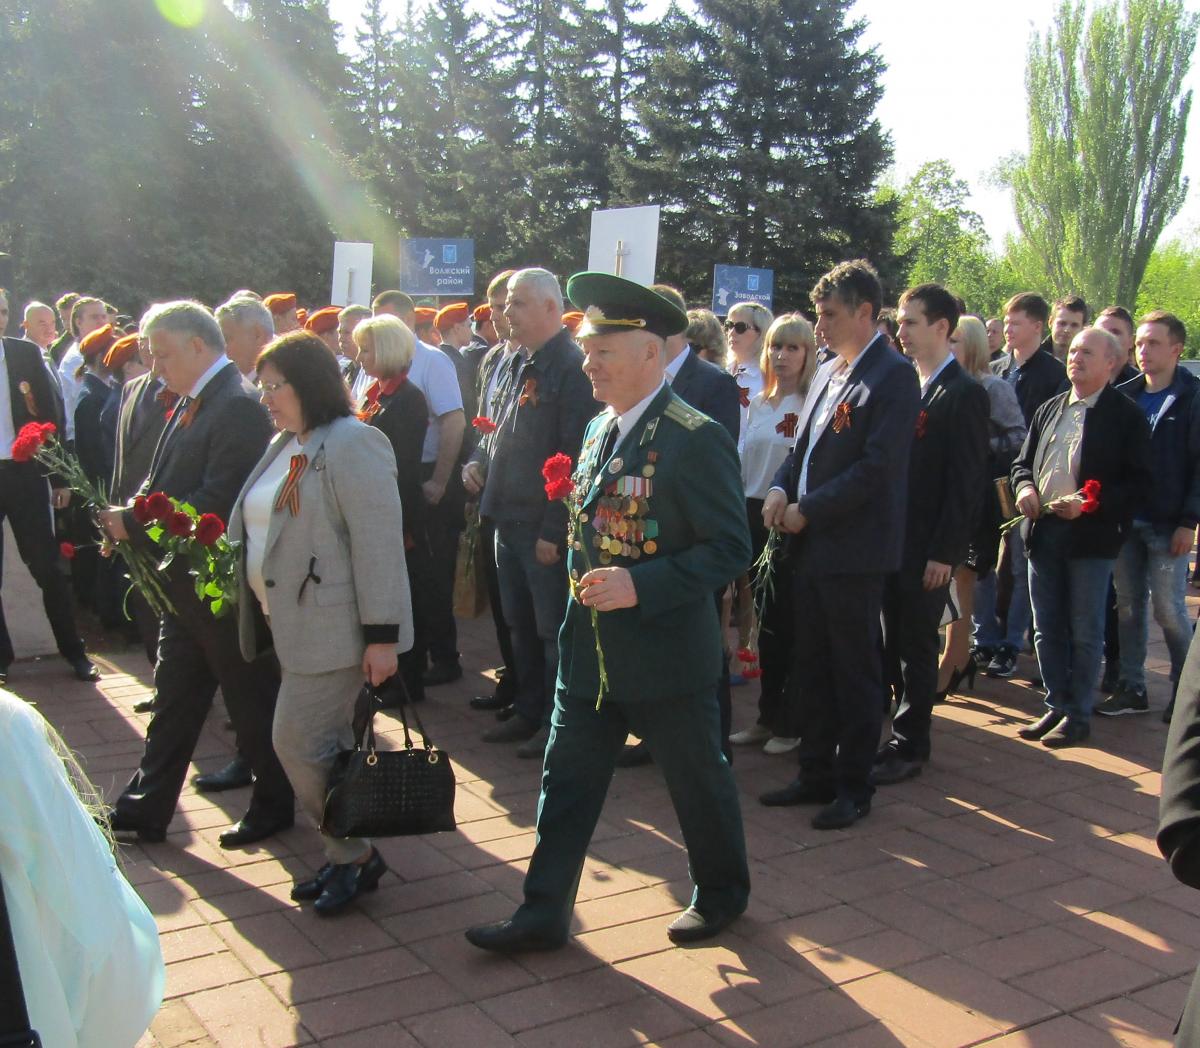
x=542, y=405
x=214, y=436
x=357, y=379
x=247, y=326
x=1082, y=474
x=40, y=328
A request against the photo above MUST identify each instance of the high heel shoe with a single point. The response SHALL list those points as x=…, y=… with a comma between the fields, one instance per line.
x=967, y=673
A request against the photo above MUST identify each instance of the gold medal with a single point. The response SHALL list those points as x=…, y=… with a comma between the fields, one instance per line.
x=647, y=470
x=616, y=465
x=650, y=546
x=635, y=553
x=605, y=558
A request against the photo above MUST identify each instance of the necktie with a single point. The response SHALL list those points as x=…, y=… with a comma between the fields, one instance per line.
x=610, y=441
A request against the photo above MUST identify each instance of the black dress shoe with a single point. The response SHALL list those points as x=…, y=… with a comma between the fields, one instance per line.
x=442, y=673
x=634, y=756
x=797, y=792
x=1044, y=724
x=233, y=776
x=1068, y=733
x=122, y=823
x=692, y=925
x=895, y=768
x=250, y=830
x=507, y=937
x=489, y=703
x=84, y=669
x=347, y=881
x=840, y=813
x=146, y=705
x=307, y=891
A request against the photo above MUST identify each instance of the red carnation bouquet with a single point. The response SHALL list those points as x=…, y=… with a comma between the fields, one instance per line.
x=197, y=540
x=1088, y=497
x=561, y=487
x=38, y=441
x=763, y=572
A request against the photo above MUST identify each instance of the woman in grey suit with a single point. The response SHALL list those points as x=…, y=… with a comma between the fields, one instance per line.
x=324, y=568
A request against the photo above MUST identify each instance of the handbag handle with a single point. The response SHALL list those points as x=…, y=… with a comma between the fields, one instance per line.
x=369, y=700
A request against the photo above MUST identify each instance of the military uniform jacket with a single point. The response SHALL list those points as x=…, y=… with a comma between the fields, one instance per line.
x=668, y=505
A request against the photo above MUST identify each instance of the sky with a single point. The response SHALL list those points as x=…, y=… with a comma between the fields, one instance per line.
x=963, y=60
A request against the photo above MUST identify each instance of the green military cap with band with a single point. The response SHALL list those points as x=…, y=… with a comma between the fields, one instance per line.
x=612, y=304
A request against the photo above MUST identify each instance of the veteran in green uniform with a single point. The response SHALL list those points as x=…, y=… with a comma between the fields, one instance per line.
x=658, y=523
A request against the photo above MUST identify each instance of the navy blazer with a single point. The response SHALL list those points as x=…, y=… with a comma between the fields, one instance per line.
x=708, y=388
x=857, y=490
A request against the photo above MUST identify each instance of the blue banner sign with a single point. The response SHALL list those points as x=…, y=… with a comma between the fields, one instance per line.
x=733, y=284
x=430, y=266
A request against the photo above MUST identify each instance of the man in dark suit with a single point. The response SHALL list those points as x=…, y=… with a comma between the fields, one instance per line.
x=28, y=395
x=1088, y=435
x=842, y=493
x=214, y=437
x=658, y=502
x=945, y=479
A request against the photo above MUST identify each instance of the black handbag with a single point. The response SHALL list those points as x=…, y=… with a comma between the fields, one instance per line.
x=390, y=793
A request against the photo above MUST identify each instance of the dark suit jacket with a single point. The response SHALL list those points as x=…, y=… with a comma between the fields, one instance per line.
x=402, y=418
x=466, y=379
x=709, y=389
x=857, y=477
x=31, y=390
x=1036, y=381
x=1115, y=451
x=140, y=422
x=91, y=444
x=946, y=470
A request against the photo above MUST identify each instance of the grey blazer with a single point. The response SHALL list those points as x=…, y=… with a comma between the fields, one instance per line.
x=336, y=570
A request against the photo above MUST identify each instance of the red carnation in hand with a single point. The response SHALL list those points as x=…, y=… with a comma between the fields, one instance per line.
x=559, y=489
x=159, y=507
x=747, y=655
x=141, y=511
x=483, y=424
x=557, y=471
x=209, y=528
x=180, y=525
x=31, y=437
x=67, y=549
x=1091, y=496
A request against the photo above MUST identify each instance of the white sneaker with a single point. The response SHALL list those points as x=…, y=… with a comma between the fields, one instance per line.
x=749, y=736
x=777, y=744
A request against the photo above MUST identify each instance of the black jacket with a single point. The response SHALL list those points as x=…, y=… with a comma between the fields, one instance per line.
x=93, y=446
x=31, y=391
x=402, y=417
x=1115, y=451
x=1174, y=453
x=1036, y=381
x=709, y=389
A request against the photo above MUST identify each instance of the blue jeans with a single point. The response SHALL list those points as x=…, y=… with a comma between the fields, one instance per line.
x=534, y=599
x=987, y=626
x=1068, y=596
x=1146, y=570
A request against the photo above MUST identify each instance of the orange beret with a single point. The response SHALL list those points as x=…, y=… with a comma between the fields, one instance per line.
x=98, y=342
x=121, y=353
x=482, y=314
x=455, y=313
x=323, y=320
x=426, y=315
x=572, y=320
x=281, y=302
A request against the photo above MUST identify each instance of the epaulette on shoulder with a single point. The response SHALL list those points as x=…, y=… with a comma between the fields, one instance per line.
x=686, y=415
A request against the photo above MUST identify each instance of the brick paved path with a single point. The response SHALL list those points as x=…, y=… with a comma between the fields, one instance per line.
x=1010, y=896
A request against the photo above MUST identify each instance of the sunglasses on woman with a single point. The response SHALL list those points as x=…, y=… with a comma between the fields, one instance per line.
x=740, y=326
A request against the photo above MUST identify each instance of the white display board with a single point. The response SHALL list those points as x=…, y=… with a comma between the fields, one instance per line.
x=352, y=274
x=625, y=242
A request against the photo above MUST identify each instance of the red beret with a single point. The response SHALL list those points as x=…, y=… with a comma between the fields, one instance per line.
x=455, y=313
x=121, y=353
x=426, y=315
x=281, y=302
x=572, y=320
x=482, y=314
x=323, y=320
x=98, y=342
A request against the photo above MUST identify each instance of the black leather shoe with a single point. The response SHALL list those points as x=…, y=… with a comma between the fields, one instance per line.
x=346, y=882
x=634, y=756
x=692, y=925
x=507, y=937
x=233, y=776
x=515, y=729
x=1068, y=733
x=121, y=823
x=146, y=705
x=894, y=768
x=248, y=831
x=797, y=792
x=488, y=703
x=1044, y=724
x=442, y=673
x=84, y=669
x=840, y=813
x=307, y=891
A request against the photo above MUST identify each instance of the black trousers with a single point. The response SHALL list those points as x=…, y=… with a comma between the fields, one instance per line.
x=839, y=669
x=506, y=686
x=911, y=646
x=25, y=502
x=444, y=522
x=194, y=656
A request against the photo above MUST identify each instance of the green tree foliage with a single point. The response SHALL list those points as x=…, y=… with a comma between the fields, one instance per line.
x=1107, y=120
x=1172, y=282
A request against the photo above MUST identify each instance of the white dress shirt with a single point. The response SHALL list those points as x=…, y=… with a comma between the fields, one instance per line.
x=257, y=507
x=8, y=430
x=70, y=385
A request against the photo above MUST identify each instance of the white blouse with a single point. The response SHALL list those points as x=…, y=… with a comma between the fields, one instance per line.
x=257, y=507
x=767, y=437
x=749, y=378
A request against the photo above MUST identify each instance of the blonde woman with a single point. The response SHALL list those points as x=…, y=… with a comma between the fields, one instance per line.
x=706, y=337
x=788, y=362
x=745, y=331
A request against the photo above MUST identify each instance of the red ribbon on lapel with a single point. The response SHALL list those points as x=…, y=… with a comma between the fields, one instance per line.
x=922, y=423
x=289, y=494
x=744, y=396
x=788, y=426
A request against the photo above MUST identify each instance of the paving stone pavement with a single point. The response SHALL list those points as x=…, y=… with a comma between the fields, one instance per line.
x=1009, y=896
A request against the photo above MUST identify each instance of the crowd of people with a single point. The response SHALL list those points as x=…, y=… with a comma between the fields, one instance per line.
x=881, y=503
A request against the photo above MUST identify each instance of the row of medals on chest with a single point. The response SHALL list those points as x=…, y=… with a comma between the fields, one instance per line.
x=620, y=516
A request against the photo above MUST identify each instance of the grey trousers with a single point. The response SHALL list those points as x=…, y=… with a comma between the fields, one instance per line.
x=312, y=723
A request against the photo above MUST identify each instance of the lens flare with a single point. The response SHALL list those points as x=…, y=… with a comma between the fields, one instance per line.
x=187, y=14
